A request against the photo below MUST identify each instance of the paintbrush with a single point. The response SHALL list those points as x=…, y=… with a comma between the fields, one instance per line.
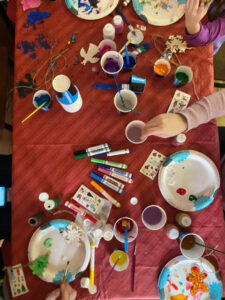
x=126, y=225
x=66, y=271
x=131, y=28
x=133, y=266
x=122, y=49
x=121, y=98
x=106, y=279
x=34, y=112
x=127, y=56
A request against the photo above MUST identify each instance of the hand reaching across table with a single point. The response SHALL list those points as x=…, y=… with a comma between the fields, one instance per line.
x=65, y=292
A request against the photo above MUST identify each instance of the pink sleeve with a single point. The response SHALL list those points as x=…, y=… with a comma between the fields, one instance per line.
x=204, y=110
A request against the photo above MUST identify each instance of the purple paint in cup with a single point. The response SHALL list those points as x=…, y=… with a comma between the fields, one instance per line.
x=154, y=217
x=133, y=132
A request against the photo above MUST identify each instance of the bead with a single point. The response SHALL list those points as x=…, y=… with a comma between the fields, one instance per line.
x=192, y=198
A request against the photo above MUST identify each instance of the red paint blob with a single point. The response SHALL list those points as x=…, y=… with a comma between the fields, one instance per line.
x=181, y=191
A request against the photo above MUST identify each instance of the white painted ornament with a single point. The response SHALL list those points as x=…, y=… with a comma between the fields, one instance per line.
x=176, y=44
x=89, y=55
x=72, y=233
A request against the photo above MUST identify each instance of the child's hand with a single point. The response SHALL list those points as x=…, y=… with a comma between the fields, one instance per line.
x=165, y=125
x=193, y=15
x=67, y=292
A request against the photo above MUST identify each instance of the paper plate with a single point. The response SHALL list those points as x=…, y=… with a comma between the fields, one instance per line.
x=159, y=12
x=91, y=9
x=50, y=239
x=173, y=283
x=189, y=180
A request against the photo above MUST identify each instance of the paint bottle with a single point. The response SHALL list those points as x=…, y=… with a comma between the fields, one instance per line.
x=179, y=140
x=43, y=196
x=67, y=94
x=172, y=231
x=109, y=31
x=51, y=204
x=184, y=220
x=36, y=220
x=118, y=24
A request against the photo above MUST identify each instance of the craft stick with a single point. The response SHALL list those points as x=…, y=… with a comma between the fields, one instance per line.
x=122, y=49
x=34, y=112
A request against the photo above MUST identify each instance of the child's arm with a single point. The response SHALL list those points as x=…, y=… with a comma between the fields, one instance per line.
x=197, y=34
x=168, y=125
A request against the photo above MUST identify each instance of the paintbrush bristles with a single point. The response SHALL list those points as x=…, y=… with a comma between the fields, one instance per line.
x=126, y=223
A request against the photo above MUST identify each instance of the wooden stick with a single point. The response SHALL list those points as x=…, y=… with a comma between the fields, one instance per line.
x=210, y=248
x=34, y=112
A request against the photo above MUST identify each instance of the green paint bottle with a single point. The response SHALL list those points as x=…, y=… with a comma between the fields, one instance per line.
x=184, y=220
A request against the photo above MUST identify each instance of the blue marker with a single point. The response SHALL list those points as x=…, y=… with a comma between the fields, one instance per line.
x=115, y=170
x=107, y=183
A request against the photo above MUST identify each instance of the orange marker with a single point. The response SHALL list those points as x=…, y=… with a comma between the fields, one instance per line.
x=105, y=194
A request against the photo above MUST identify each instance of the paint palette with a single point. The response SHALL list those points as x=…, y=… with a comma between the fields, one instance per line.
x=189, y=279
x=91, y=9
x=55, y=239
x=189, y=180
x=159, y=12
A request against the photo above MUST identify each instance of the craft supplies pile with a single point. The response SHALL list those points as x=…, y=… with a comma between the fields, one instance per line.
x=69, y=228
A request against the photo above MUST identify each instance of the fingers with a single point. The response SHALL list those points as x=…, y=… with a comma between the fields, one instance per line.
x=68, y=293
x=53, y=295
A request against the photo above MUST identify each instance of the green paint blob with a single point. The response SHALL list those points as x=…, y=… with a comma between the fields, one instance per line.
x=48, y=243
x=192, y=198
x=183, y=291
x=180, y=283
x=38, y=266
x=182, y=77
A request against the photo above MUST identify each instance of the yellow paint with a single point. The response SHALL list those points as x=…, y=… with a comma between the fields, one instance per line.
x=115, y=255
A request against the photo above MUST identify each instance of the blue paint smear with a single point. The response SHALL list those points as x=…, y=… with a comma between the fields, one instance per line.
x=215, y=193
x=26, y=47
x=58, y=224
x=202, y=202
x=138, y=7
x=181, y=2
x=215, y=291
x=38, y=17
x=163, y=278
x=177, y=157
x=42, y=41
x=59, y=277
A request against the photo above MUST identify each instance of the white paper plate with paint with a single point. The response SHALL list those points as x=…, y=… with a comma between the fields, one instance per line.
x=180, y=276
x=60, y=241
x=189, y=180
x=159, y=12
x=91, y=9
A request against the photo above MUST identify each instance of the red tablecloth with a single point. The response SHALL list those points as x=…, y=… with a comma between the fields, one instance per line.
x=43, y=147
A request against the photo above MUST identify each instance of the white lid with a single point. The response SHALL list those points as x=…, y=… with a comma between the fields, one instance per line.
x=108, y=28
x=98, y=233
x=92, y=289
x=133, y=200
x=186, y=221
x=108, y=235
x=49, y=204
x=173, y=233
x=84, y=282
x=117, y=20
x=43, y=196
x=181, y=138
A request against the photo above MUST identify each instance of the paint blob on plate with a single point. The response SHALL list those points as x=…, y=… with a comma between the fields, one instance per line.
x=181, y=191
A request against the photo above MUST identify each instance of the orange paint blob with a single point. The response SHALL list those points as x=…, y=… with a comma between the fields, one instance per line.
x=161, y=69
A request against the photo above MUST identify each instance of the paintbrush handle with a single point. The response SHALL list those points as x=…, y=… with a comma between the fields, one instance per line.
x=210, y=248
x=34, y=112
x=133, y=266
x=106, y=279
x=126, y=240
x=119, y=12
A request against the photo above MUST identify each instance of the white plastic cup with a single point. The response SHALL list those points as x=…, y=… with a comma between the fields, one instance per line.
x=132, y=232
x=106, y=45
x=67, y=94
x=133, y=132
x=123, y=262
x=185, y=70
x=130, y=101
x=162, y=61
x=39, y=94
x=98, y=233
x=136, y=39
x=196, y=251
x=116, y=57
x=108, y=232
x=154, y=217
